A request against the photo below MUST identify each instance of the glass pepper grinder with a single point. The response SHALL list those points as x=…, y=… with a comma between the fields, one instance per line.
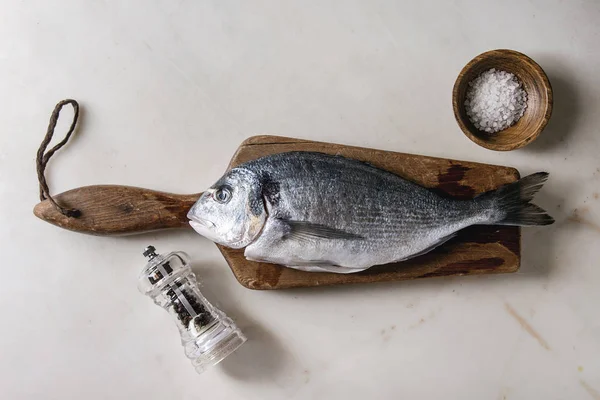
x=207, y=334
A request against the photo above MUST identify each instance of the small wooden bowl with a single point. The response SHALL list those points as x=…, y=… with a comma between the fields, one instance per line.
x=539, y=99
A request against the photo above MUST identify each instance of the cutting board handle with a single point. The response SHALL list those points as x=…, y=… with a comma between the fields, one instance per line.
x=113, y=210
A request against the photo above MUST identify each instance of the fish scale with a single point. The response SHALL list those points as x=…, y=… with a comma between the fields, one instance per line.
x=318, y=212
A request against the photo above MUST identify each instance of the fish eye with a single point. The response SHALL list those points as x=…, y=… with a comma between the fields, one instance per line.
x=223, y=194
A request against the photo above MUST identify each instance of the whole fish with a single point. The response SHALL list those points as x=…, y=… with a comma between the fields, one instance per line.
x=317, y=212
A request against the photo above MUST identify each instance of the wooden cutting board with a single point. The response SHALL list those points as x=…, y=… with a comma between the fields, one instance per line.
x=119, y=210
x=476, y=250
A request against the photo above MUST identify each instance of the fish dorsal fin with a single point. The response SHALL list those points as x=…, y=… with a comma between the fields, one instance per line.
x=302, y=230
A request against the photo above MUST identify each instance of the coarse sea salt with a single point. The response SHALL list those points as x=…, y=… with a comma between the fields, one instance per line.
x=495, y=100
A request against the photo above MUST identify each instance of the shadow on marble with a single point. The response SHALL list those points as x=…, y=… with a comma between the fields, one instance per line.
x=566, y=110
x=263, y=356
x=538, y=244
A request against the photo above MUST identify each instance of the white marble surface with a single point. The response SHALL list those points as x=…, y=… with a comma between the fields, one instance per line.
x=169, y=90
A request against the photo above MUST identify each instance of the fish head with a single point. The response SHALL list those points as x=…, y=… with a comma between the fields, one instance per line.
x=232, y=212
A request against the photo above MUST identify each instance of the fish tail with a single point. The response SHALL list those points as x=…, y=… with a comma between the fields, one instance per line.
x=511, y=204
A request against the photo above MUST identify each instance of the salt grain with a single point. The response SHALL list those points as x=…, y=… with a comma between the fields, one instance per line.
x=495, y=100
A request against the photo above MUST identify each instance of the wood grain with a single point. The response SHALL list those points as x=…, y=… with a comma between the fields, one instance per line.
x=539, y=99
x=112, y=210
x=121, y=210
x=476, y=250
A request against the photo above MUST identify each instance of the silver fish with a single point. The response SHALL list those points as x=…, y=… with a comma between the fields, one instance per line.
x=317, y=212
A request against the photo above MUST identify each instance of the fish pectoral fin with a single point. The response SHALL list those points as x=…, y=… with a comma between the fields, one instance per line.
x=302, y=230
x=433, y=246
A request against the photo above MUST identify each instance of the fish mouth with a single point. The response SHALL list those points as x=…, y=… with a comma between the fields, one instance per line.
x=208, y=229
x=201, y=223
x=204, y=228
